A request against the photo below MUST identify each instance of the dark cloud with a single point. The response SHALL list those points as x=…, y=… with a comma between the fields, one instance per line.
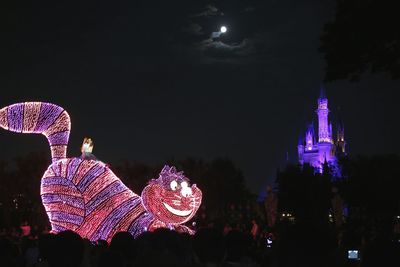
x=218, y=51
x=193, y=28
x=208, y=11
x=249, y=9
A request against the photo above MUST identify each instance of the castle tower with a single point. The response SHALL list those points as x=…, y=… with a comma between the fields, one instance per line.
x=324, y=129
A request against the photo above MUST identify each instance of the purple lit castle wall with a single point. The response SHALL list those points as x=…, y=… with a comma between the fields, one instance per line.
x=326, y=149
x=86, y=196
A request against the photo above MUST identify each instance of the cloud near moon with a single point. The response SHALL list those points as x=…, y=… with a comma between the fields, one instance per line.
x=210, y=45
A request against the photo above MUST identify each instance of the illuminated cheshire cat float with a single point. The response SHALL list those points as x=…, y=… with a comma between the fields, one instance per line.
x=85, y=196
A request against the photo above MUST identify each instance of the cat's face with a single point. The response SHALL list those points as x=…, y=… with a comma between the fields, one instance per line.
x=170, y=198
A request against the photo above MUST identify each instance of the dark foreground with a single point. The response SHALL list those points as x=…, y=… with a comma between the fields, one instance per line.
x=294, y=246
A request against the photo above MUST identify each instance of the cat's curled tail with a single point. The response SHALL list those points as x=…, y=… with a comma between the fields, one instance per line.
x=40, y=118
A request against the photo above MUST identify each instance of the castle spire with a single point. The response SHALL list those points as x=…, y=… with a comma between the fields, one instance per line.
x=322, y=93
x=340, y=142
x=310, y=139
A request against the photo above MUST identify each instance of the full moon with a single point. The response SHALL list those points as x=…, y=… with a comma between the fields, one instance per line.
x=223, y=29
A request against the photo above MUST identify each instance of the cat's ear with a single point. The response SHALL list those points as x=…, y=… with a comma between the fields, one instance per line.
x=172, y=169
x=165, y=169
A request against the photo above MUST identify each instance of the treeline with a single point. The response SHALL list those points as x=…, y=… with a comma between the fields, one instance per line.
x=369, y=188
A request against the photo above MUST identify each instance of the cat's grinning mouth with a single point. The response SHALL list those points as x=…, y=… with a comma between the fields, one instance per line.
x=177, y=212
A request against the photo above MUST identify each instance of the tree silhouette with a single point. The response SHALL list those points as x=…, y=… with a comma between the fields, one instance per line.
x=363, y=37
x=372, y=185
x=221, y=182
x=304, y=193
x=135, y=175
x=20, y=189
x=4, y=198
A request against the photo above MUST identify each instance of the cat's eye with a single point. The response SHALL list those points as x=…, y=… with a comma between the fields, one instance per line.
x=186, y=190
x=173, y=185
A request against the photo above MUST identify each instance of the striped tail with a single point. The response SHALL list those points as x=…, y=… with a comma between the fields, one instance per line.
x=40, y=118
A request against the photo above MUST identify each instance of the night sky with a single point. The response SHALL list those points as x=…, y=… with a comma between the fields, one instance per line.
x=146, y=82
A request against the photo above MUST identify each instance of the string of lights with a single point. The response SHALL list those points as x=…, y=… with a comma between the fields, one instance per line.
x=85, y=196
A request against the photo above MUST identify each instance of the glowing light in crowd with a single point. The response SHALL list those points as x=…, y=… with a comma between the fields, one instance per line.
x=86, y=196
x=223, y=29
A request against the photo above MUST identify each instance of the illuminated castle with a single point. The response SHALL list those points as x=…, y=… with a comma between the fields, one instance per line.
x=318, y=149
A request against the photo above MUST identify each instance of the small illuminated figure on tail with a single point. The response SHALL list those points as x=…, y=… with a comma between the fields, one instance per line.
x=87, y=149
x=83, y=194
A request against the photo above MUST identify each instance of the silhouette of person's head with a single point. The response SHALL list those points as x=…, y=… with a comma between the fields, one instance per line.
x=46, y=246
x=381, y=252
x=236, y=245
x=163, y=247
x=8, y=253
x=69, y=248
x=208, y=244
x=123, y=243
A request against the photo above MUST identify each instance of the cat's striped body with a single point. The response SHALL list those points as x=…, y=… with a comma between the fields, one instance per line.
x=85, y=196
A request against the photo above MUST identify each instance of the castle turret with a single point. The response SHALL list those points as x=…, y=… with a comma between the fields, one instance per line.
x=310, y=140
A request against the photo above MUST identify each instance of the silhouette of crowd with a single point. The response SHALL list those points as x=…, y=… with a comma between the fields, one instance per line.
x=162, y=247
x=230, y=242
